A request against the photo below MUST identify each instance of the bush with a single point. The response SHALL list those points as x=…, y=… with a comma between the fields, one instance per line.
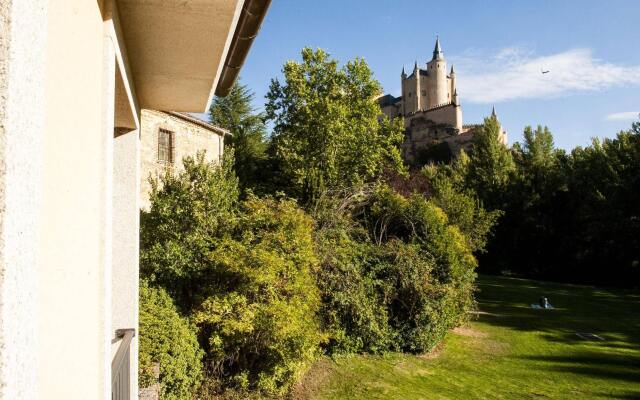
x=395, y=274
x=430, y=267
x=353, y=311
x=169, y=340
x=241, y=270
x=260, y=325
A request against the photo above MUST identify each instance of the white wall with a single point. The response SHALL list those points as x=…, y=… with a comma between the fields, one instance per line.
x=22, y=42
x=126, y=212
x=75, y=235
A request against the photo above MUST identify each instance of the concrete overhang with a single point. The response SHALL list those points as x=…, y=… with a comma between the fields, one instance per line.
x=181, y=52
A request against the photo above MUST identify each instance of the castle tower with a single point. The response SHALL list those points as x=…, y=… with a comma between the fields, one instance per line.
x=438, y=90
x=416, y=76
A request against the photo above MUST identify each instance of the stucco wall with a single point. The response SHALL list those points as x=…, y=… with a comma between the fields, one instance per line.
x=74, y=250
x=22, y=43
x=126, y=212
x=189, y=138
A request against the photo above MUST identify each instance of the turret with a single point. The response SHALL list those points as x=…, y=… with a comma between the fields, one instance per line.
x=452, y=77
x=437, y=51
x=438, y=87
x=404, y=74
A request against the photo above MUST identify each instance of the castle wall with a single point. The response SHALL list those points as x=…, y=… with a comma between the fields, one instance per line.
x=451, y=115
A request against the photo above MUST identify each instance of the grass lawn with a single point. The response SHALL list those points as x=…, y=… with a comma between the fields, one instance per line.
x=510, y=351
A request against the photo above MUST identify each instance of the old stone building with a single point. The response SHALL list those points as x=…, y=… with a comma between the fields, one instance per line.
x=167, y=137
x=430, y=106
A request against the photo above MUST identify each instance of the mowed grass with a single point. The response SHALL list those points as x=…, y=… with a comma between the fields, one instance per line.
x=509, y=351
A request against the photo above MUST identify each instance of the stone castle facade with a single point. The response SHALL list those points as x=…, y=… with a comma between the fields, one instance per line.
x=430, y=106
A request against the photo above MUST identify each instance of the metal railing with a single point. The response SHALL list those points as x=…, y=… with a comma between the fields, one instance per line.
x=120, y=366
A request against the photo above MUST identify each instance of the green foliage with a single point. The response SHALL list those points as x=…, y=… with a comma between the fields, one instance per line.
x=169, y=341
x=374, y=268
x=236, y=114
x=353, y=310
x=189, y=212
x=328, y=132
x=430, y=265
x=260, y=323
x=491, y=164
x=395, y=274
x=567, y=215
x=461, y=206
x=241, y=270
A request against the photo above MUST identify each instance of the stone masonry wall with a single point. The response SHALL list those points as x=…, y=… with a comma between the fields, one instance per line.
x=189, y=139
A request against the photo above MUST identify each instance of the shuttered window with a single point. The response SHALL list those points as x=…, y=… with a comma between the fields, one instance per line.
x=165, y=146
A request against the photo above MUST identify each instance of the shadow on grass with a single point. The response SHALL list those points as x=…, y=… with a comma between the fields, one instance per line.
x=612, y=315
x=609, y=314
x=592, y=364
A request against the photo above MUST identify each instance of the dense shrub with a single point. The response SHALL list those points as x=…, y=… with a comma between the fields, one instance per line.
x=241, y=270
x=395, y=274
x=432, y=249
x=190, y=212
x=353, y=310
x=169, y=341
x=260, y=322
x=462, y=206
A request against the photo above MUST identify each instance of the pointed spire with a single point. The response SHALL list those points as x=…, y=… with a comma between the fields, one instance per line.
x=493, y=112
x=403, y=73
x=437, y=51
x=415, y=66
x=452, y=71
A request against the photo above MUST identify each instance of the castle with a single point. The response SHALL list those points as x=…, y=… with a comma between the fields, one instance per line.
x=432, y=113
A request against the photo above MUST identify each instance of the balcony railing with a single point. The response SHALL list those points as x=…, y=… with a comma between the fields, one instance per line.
x=120, y=367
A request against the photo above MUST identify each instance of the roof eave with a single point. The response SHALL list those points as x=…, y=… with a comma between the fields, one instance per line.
x=253, y=13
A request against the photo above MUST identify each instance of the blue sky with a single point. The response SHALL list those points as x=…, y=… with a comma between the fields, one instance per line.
x=498, y=47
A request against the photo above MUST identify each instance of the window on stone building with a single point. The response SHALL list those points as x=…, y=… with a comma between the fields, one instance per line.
x=165, y=146
x=424, y=92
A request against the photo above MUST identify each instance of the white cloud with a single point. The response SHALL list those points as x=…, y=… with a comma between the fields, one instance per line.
x=623, y=116
x=516, y=73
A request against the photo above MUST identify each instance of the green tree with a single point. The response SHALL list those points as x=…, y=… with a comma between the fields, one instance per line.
x=461, y=206
x=169, y=342
x=491, y=165
x=242, y=270
x=236, y=114
x=328, y=132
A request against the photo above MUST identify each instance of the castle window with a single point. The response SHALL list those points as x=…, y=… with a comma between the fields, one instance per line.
x=424, y=92
x=165, y=146
x=409, y=94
